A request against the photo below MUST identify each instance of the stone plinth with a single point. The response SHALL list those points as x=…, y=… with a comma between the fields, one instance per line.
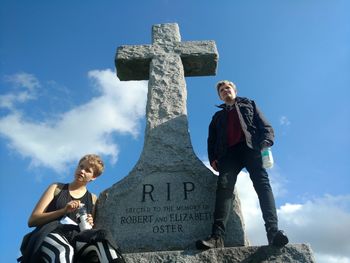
x=296, y=253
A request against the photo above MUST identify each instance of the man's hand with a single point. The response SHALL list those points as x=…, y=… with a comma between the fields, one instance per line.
x=264, y=144
x=214, y=164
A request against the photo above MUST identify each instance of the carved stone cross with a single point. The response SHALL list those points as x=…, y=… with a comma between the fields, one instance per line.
x=167, y=201
x=166, y=63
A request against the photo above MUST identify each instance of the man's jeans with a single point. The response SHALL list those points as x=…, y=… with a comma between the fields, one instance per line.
x=236, y=158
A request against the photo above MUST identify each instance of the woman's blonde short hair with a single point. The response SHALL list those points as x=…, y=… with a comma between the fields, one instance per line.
x=227, y=82
x=96, y=162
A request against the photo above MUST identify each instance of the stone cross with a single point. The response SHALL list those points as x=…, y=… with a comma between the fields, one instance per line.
x=166, y=63
x=167, y=200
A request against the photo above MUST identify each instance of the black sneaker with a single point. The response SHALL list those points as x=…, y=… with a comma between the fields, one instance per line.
x=277, y=238
x=210, y=242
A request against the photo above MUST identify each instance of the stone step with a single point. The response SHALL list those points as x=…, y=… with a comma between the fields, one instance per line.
x=296, y=253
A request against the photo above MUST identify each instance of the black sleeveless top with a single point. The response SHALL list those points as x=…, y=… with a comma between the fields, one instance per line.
x=64, y=197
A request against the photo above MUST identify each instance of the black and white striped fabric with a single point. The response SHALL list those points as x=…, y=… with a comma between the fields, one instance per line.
x=56, y=248
x=104, y=251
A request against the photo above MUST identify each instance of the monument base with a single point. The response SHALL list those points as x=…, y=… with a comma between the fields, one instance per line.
x=300, y=253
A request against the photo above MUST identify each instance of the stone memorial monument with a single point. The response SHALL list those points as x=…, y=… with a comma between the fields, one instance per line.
x=166, y=202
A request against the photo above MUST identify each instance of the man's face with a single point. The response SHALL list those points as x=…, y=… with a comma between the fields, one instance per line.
x=227, y=93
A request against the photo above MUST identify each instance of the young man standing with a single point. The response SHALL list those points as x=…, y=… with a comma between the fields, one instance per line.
x=237, y=134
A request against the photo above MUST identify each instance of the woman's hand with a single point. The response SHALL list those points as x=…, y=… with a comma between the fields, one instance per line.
x=72, y=206
x=90, y=220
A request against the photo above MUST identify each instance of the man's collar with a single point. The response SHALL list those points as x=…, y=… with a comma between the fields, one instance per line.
x=237, y=100
x=226, y=106
x=229, y=107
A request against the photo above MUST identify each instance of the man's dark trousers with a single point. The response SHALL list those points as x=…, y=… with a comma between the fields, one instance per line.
x=236, y=158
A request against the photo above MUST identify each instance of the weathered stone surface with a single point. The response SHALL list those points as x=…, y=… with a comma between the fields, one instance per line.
x=199, y=58
x=296, y=253
x=167, y=201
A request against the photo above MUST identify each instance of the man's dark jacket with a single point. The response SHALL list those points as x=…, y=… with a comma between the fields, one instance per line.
x=255, y=127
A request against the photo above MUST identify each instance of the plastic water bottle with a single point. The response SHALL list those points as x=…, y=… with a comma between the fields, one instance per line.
x=82, y=218
x=267, y=158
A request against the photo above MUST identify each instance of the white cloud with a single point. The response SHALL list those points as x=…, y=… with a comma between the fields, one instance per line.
x=86, y=128
x=25, y=89
x=323, y=222
x=284, y=121
x=23, y=80
x=321, y=258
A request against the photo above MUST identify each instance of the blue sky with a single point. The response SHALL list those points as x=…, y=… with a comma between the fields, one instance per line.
x=60, y=98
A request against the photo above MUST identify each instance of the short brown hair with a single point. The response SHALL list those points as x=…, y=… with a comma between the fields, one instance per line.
x=96, y=162
x=227, y=82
